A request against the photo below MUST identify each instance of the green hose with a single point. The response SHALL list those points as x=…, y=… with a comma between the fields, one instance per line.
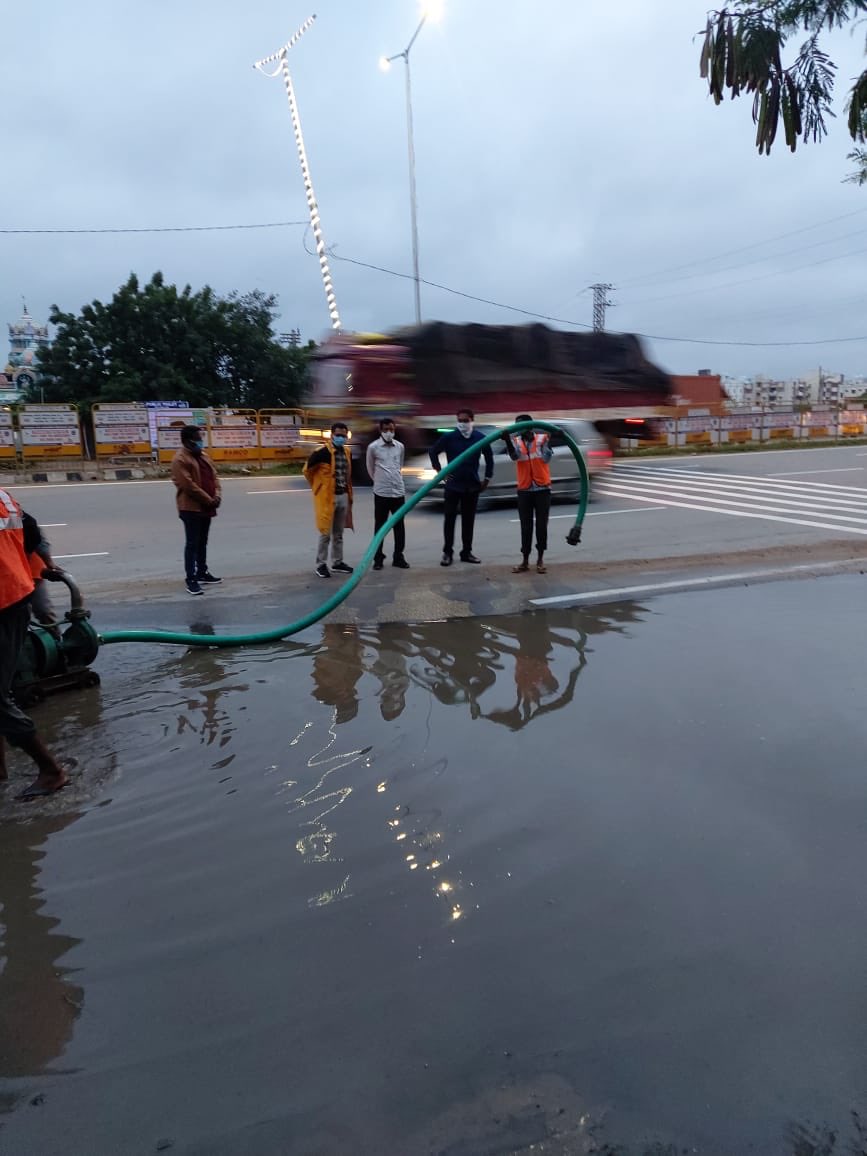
x=346, y=589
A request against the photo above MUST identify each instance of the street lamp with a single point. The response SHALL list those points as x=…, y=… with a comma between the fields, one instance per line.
x=431, y=11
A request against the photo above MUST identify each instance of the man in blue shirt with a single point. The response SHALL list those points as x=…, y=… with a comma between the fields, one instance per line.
x=462, y=486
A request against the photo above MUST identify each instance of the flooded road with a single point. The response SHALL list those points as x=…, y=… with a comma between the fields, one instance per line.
x=590, y=880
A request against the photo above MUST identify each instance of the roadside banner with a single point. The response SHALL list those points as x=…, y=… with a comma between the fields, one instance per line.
x=49, y=431
x=233, y=435
x=120, y=429
x=280, y=434
x=7, y=433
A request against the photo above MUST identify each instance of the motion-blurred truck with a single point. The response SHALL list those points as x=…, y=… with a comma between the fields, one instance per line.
x=422, y=375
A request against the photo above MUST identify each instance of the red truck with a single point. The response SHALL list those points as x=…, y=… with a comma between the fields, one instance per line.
x=422, y=375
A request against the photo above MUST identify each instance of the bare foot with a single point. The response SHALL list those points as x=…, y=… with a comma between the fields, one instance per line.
x=48, y=782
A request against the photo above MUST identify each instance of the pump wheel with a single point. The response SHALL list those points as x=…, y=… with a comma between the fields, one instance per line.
x=91, y=679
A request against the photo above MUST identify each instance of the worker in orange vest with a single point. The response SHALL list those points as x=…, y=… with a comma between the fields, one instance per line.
x=531, y=451
x=16, y=589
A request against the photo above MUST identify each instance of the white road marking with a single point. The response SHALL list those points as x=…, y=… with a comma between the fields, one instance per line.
x=720, y=491
x=616, y=593
x=803, y=473
x=275, y=491
x=742, y=480
x=52, y=525
x=740, y=513
x=97, y=554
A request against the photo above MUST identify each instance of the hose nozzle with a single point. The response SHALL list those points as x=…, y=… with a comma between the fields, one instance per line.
x=574, y=536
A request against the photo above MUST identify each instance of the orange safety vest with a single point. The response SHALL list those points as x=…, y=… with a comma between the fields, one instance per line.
x=15, y=580
x=531, y=467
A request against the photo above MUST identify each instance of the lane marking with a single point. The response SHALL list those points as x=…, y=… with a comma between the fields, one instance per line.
x=96, y=554
x=740, y=513
x=295, y=491
x=52, y=525
x=803, y=473
x=714, y=491
x=600, y=513
x=742, y=479
x=618, y=592
x=663, y=491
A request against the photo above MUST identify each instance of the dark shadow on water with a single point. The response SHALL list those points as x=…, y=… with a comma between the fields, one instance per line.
x=38, y=1002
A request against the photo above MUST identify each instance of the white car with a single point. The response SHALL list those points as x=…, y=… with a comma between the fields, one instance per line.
x=565, y=479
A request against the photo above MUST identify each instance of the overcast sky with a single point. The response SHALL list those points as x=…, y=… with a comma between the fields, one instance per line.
x=558, y=143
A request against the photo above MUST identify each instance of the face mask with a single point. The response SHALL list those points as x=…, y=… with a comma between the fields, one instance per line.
x=197, y=447
x=388, y=436
x=465, y=428
x=338, y=440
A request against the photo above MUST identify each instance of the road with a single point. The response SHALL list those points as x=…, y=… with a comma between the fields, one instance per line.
x=652, y=520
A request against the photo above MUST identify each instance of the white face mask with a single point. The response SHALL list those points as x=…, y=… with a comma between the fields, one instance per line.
x=465, y=428
x=388, y=436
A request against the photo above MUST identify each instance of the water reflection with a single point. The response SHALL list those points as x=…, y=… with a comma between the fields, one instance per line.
x=38, y=1003
x=461, y=662
x=465, y=663
x=337, y=669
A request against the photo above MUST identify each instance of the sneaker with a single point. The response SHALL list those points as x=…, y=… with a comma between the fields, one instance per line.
x=446, y=559
x=322, y=570
x=377, y=563
x=209, y=578
x=341, y=568
x=471, y=558
x=401, y=563
x=193, y=587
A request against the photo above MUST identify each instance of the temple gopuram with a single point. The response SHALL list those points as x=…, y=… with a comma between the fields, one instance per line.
x=21, y=372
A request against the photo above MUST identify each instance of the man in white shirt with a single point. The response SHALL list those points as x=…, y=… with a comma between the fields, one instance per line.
x=384, y=464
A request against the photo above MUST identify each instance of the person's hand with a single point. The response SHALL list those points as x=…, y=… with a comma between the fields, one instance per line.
x=215, y=503
x=485, y=483
x=52, y=574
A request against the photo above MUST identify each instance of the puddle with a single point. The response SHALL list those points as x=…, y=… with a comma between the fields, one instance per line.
x=584, y=881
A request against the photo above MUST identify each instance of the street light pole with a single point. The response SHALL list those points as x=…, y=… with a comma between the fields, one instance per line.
x=385, y=64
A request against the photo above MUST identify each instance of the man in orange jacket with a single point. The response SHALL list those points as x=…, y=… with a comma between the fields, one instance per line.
x=531, y=452
x=16, y=588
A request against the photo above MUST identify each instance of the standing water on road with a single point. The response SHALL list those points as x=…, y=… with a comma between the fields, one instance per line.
x=589, y=880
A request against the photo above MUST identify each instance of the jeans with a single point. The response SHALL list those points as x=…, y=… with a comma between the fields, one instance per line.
x=196, y=528
x=466, y=502
x=532, y=502
x=383, y=508
x=335, y=537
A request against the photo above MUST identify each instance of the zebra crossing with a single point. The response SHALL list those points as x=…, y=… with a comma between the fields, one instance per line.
x=811, y=503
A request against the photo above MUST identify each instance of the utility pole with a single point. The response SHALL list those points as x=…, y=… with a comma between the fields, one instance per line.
x=600, y=304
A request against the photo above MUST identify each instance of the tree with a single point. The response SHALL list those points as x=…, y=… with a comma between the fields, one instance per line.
x=742, y=52
x=159, y=344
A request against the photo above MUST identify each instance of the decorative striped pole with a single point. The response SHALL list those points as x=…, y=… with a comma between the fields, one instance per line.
x=281, y=57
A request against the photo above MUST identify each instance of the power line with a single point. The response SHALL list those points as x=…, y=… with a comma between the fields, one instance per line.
x=746, y=280
x=157, y=229
x=705, y=261
x=459, y=292
x=474, y=297
x=582, y=325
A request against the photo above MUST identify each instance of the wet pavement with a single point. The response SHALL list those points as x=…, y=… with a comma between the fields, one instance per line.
x=576, y=881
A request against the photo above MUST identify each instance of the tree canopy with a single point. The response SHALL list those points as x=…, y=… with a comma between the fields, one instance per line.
x=158, y=343
x=743, y=52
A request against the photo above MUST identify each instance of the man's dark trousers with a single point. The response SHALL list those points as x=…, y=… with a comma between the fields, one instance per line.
x=383, y=508
x=465, y=502
x=530, y=503
x=196, y=527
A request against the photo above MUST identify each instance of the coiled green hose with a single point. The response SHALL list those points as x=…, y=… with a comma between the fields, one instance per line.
x=179, y=638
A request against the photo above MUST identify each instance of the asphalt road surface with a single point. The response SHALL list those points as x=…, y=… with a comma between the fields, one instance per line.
x=122, y=540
